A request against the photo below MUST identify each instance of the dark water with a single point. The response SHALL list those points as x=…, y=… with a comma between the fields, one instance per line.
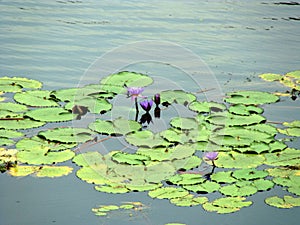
x=69, y=43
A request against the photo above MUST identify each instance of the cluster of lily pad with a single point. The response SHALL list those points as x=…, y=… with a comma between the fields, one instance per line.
x=232, y=137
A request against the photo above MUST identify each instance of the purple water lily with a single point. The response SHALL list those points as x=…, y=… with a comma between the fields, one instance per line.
x=157, y=99
x=211, y=155
x=146, y=104
x=134, y=92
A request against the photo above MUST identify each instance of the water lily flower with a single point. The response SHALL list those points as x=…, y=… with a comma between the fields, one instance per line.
x=211, y=155
x=157, y=99
x=146, y=104
x=134, y=92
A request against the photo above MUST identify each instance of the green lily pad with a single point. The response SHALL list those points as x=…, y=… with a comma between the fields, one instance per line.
x=282, y=172
x=54, y=171
x=114, y=189
x=20, y=123
x=50, y=115
x=226, y=205
x=223, y=177
x=292, y=130
x=177, y=96
x=263, y=184
x=12, y=107
x=40, y=157
x=170, y=153
x=250, y=97
x=271, y=76
x=238, y=160
x=184, y=123
x=186, y=179
x=187, y=163
x=94, y=175
x=168, y=192
x=286, y=202
x=36, y=98
x=287, y=157
x=115, y=82
x=10, y=134
x=118, y=126
x=94, y=105
x=294, y=74
x=203, y=188
x=89, y=159
x=16, y=84
x=39, y=144
x=22, y=170
x=6, y=141
x=189, y=200
x=245, y=110
x=146, y=138
x=228, y=119
x=131, y=159
x=238, y=189
x=249, y=174
x=206, y=107
x=67, y=135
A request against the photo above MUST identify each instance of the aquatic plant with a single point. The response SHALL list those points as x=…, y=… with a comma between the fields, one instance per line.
x=233, y=137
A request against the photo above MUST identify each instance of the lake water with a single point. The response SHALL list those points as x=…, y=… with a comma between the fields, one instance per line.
x=223, y=44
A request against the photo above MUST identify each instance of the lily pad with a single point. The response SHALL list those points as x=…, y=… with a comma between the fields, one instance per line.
x=238, y=189
x=112, y=188
x=67, y=135
x=131, y=159
x=206, y=107
x=223, y=177
x=189, y=200
x=19, y=123
x=287, y=157
x=118, y=126
x=16, y=84
x=12, y=107
x=177, y=96
x=226, y=205
x=286, y=202
x=168, y=192
x=50, y=115
x=7, y=156
x=115, y=82
x=292, y=130
x=40, y=157
x=250, y=97
x=271, y=76
x=203, y=188
x=184, y=123
x=241, y=109
x=146, y=138
x=94, y=105
x=249, y=174
x=238, y=160
x=54, y=171
x=36, y=98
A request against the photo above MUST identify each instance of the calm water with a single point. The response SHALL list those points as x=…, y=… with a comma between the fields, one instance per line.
x=69, y=43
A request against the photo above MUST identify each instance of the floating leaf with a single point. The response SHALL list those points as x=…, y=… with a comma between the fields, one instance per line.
x=10, y=134
x=205, y=187
x=250, y=97
x=131, y=159
x=19, y=123
x=171, y=153
x=12, y=107
x=263, y=185
x=226, y=205
x=94, y=105
x=16, y=84
x=115, y=82
x=146, y=138
x=93, y=175
x=22, y=171
x=184, y=123
x=282, y=172
x=40, y=157
x=292, y=130
x=294, y=74
x=271, y=76
x=186, y=179
x=67, y=135
x=168, y=192
x=36, y=143
x=249, y=174
x=238, y=160
x=36, y=98
x=228, y=119
x=286, y=202
x=241, y=109
x=238, y=189
x=223, y=177
x=189, y=200
x=115, y=189
x=118, y=126
x=287, y=157
x=50, y=115
x=54, y=171
x=7, y=156
x=206, y=107
x=177, y=96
